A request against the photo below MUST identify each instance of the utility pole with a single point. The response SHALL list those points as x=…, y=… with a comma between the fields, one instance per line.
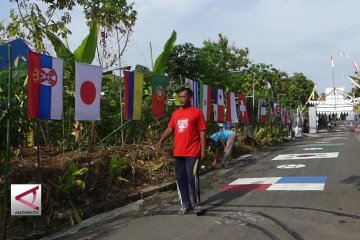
x=7, y=153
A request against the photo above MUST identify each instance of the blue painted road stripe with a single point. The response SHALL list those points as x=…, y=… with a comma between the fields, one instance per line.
x=317, y=179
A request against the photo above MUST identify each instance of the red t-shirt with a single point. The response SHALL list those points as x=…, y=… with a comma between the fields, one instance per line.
x=186, y=123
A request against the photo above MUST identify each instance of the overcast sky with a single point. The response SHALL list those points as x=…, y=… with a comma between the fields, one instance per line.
x=293, y=35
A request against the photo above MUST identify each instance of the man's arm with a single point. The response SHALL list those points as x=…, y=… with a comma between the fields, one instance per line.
x=203, y=144
x=168, y=132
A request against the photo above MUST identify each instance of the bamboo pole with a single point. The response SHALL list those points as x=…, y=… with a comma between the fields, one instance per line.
x=7, y=153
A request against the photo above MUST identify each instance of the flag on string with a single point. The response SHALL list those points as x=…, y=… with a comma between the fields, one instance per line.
x=284, y=116
x=244, y=117
x=194, y=86
x=262, y=110
x=231, y=115
x=133, y=93
x=205, y=100
x=218, y=105
x=87, y=91
x=356, y=67
x=159, y=85
x=332, y=62
x=272, y=109
x=341, y=54
x=277, y=109
x=45, y=86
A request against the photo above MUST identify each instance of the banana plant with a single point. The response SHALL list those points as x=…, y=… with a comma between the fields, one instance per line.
x=86, y=50
x=161, y=61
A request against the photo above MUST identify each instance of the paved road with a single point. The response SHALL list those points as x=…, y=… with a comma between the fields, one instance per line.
x=314, y=195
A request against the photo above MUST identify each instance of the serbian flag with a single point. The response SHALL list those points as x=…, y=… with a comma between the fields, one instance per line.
x=133, y=88
x=45, y=86
x=87, y=91
x=205, y=101
x=231, y=115
x=244, y=117
x=159, y=85
x=218, y=105
x=262, y=110
x=194, y=86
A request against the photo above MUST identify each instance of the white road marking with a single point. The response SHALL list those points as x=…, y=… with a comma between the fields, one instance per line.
x=297, y=187
x=269, y=180
x=306, y=156
x=311, y=149
x=289, y=166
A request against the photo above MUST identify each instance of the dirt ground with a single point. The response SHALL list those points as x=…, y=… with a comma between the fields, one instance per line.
x=104, y=189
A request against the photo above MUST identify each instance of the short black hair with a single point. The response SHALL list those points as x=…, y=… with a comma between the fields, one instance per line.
x=189, y=92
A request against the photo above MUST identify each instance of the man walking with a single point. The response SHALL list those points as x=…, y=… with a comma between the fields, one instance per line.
x=188, y=126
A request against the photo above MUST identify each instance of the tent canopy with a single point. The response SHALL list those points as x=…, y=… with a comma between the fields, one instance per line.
x=336, y=102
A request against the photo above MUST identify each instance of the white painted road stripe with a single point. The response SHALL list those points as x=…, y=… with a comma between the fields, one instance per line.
x=269, y=180
x=306, y=156
x=312, y=149
x=297, y=187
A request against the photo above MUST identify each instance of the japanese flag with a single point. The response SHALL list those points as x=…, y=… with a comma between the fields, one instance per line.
x=87, y=91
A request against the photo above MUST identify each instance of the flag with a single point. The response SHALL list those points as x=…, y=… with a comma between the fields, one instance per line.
x=205, y=101
x=356, y=67
x=262, y=110
x=284, y=116
x=277, y=109
x=244, y=117
x=231, y=115
x=45, y=86
x=159, y=85
x=218, y=105
x=341, y=54
x=87, y=91
x=133, y=93
x=332, y=62
x=194, y=86
x=272, y=107
x=293, y=183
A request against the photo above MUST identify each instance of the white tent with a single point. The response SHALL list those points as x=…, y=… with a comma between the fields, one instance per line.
x=336, y=102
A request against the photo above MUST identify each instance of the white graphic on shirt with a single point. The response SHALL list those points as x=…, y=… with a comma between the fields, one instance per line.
x=182, y=124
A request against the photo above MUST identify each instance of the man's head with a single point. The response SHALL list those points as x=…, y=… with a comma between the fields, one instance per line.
x=185, y=96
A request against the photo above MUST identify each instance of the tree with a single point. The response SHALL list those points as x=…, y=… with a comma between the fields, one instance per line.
x=32, y=23
x=184, y=60
x=297, y=90
x=219, y=60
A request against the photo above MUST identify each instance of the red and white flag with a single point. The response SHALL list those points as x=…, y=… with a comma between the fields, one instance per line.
x=87, y=91
x=244, y=117
x=262, y=110
x=284, y=116
x=231, y=115
x=277, y=109
x=218, y=105
x=205, y=101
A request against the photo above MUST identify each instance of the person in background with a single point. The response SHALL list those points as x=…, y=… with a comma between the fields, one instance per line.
x=224, y=139
x=188, y=126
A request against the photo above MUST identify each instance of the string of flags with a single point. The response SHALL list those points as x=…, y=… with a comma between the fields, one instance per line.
x=45, y=91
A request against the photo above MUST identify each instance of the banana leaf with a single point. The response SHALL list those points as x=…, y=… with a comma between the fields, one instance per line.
x=161, y=61
x=62, y=51
x=85, y=53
